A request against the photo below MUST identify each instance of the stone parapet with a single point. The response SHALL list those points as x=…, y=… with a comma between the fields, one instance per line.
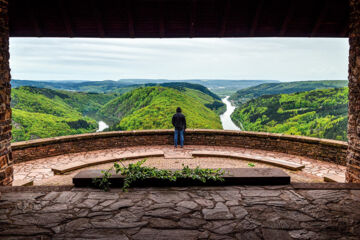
x=353, y=156
x=320, y=149
x=6, y=169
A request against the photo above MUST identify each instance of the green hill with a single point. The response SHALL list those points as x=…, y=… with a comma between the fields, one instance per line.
x=41, y=113
x=184, y=85
x=246, y=94
x=153, y=107
x=317, y=113
x=33, y=125
x=44, y=100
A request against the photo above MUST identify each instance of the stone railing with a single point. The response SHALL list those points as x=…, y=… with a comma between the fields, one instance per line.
x=316, y=148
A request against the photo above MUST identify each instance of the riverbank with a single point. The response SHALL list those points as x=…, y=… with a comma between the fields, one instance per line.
x=102, y=126
x=225, y=118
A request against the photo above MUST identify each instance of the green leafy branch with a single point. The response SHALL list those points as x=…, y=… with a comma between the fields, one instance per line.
x=135, y=172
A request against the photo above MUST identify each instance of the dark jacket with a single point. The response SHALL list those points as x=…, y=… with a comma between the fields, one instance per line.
x=179, y=121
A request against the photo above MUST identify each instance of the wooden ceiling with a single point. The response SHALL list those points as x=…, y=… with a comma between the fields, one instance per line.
x=178, y=18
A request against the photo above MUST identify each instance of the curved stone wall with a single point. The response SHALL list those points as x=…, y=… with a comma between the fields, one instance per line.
x=320, y=149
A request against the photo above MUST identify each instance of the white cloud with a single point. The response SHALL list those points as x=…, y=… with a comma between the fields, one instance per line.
x=285, y=59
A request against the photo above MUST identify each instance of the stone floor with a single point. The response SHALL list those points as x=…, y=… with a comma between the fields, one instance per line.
x=282, y=212
x=40, y=170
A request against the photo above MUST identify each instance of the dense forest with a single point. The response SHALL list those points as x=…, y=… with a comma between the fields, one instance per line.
x=246, y=94
x=42, y=112
x=318, y=113
x=153, y=107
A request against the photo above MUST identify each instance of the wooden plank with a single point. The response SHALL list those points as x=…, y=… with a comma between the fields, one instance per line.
x=66, y=18
x=98, y=18
x=131, y=24
x=256, y=19
x=287, y=19
x=320, y=19
x=192, y=21
x=225, y=18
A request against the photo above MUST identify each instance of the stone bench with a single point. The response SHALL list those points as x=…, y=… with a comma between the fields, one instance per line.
x=78, y=165
x=252, y=158
x=23, y=182
x=232, y=176
x=334, y=178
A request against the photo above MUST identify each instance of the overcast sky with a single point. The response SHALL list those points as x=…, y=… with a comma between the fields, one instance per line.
x=284, y=59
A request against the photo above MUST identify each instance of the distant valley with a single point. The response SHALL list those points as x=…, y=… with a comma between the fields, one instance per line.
x=42, y=112
x=55, y=108
x=220, y=87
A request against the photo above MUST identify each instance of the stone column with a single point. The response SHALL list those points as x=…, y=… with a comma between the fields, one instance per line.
x=353, y=155
x=6, y=168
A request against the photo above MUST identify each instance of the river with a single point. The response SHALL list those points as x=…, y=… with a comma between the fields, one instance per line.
x=102, y=126
x=225, y=118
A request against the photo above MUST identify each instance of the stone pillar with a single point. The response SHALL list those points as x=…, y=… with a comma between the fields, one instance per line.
x=353, y=155
x=6, y=168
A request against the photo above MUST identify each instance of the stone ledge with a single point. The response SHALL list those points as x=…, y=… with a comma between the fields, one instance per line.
x=78, y=165
x=247, y=157
x=72, y=138
x=23, y=183
x=319, y=149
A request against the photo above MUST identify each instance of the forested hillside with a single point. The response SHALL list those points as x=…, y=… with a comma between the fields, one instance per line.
x=317, y=113
x=41, y=113
x=247, y=94
x=153, y=107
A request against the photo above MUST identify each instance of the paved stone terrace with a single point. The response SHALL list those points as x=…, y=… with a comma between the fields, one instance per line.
x=40, y=170
x=281, y=212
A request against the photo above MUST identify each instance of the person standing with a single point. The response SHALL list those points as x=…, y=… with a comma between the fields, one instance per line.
x=179, y=122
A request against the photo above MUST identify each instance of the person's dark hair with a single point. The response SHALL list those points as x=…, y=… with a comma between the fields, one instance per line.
x=178, y=109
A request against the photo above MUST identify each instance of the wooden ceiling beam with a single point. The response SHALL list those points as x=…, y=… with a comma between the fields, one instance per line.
x=98, y=18
x=256, y=19
x=131, y=24
x=192, y=17
x=34, y=18
x=225, y=18
x=344, y=26
x=289, y=15
x=161, y=19
x=345, y=31
x=65, y=18
x=320, y=19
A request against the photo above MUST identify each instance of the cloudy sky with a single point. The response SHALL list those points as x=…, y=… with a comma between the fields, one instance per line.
x=284, y=59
